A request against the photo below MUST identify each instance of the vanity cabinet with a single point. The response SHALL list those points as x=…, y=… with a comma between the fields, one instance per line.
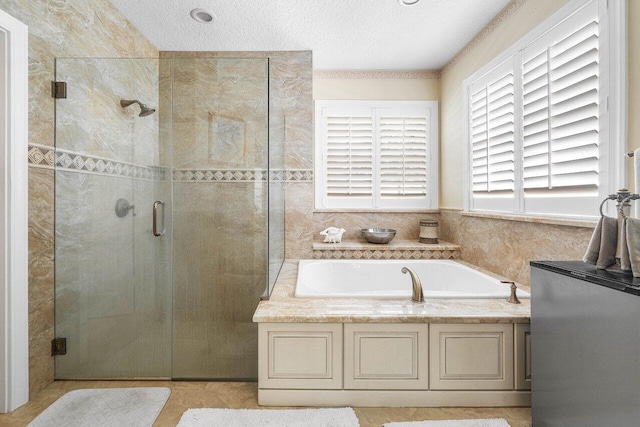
x=471, y=357
x=300, y=355
x=386, y=356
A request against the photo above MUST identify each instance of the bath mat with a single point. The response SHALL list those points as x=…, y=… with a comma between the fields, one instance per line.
x=494, y=422
x=105, y=407
x=329, y=417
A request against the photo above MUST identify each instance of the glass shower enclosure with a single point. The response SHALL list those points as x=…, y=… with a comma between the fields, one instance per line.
x=169, y=223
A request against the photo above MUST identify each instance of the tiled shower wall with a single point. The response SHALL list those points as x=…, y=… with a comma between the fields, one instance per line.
x=291, y=93
x=73, y=28
x=220, y=135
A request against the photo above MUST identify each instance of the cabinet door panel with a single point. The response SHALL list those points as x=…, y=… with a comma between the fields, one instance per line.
x=386, y=356
x=304, y=355
x=471, y=357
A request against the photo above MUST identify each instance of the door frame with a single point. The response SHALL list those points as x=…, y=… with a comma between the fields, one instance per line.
x=14, y=300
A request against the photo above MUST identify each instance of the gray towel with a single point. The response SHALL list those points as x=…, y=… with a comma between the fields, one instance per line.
x=625, y=262
x=632, y=235
x=602, y=246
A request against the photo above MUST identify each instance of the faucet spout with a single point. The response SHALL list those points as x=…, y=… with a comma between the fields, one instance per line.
x=417, y=286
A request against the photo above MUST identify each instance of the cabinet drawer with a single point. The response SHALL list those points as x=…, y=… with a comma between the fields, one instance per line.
x=523, y=356
x=471, y=357
x=302, y=355
x=386, y=356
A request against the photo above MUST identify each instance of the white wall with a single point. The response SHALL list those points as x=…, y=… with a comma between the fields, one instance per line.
x=377, y=89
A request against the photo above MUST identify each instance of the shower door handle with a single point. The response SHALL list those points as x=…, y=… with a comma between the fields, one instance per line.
x=157, y=204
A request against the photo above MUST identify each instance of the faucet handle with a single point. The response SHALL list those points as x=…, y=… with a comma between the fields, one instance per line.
x=513, y=298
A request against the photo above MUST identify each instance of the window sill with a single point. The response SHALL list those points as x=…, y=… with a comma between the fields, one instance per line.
x=534, y=219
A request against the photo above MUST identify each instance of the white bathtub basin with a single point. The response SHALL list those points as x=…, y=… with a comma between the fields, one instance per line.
x=383, y=279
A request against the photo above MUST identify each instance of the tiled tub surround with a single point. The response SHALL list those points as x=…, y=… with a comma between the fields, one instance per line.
x=367, y=352
x=506, y=246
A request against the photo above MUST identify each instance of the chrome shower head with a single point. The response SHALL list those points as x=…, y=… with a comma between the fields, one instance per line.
x=144, y=110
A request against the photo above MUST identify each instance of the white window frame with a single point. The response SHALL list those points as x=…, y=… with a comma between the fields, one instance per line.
x=377, y=204
x=613, y=112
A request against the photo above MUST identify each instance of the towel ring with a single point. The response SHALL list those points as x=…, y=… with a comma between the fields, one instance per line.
x=609, y=197
x=621, y=206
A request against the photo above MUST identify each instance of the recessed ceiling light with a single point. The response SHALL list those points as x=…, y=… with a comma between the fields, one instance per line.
x=407, y=2
x=203, y=16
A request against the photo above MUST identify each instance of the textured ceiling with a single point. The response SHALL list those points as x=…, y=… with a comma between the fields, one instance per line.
x=343, y=34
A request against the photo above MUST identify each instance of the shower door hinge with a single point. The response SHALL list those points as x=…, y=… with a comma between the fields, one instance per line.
x=58, y=346
x=59, y=90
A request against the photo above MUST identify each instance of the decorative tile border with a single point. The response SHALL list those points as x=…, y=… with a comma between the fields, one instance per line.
x=386, y=254
x=219, y=175
x=506, y=13
x=242, y=175
x=47, y=157
x=41, y=156
x=299, y=175
x=83, y=163
x=376, y=74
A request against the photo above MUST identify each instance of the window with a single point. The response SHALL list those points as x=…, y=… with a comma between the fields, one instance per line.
x=545, y=120
x=376, y=155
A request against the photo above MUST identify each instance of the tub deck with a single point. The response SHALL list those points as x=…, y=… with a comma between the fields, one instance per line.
x=284, y=307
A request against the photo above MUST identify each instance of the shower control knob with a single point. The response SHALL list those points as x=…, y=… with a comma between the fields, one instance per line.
x=123, y=207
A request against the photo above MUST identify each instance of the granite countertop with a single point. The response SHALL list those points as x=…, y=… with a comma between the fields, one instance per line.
x=284, y=307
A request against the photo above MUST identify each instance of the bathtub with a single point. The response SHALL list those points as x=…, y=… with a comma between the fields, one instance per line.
x=382, y=279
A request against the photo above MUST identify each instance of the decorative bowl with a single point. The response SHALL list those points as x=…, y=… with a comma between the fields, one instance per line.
x=378, y=235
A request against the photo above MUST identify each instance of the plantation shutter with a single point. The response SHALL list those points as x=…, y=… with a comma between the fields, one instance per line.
x=561, y=129
x=349, y=154
x=492, y=139
x=376, y=156
x=404, y=140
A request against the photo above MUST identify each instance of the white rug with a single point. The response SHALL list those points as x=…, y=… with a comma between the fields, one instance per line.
x=329, y=417
x=495, y=422
x=105, y=407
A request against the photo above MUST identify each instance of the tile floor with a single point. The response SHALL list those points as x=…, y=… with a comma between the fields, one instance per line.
x=185, y=395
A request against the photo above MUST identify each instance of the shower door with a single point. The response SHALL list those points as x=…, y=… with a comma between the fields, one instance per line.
x=113, y=295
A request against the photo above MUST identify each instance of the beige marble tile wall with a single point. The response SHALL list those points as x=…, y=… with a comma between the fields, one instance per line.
x=407, y=224
x=91, y=120
x=73, y=28
x=220, y=108
x=291, y=75
x=506, y=247
x=220, y=113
